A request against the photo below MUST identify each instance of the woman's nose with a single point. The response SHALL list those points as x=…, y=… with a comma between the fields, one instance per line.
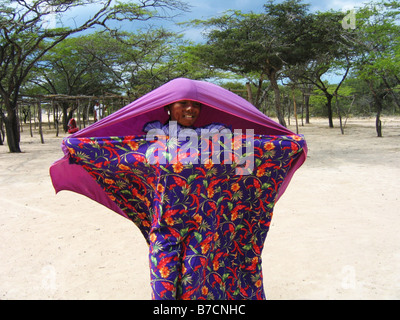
x=189, y=105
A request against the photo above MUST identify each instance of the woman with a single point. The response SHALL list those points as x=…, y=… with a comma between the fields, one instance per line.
x=72, y=127
x=205, y=224
x=185, y=112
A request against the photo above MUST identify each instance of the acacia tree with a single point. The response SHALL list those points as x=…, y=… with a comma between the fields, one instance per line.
x=25, y=36
x=172, y=58
x=333, y=50
x=378, y=62
x=149, y=58
x=262, y=44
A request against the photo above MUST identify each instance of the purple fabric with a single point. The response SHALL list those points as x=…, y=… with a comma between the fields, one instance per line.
x=220, y=105
x=205, y=222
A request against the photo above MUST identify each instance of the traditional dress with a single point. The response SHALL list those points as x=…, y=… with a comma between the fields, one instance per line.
x=205, y=219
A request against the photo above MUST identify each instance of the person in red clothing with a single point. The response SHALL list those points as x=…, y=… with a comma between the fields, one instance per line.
x=72, y=127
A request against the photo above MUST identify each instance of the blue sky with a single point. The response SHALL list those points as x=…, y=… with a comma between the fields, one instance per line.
x=209, y=8
x=204, y=9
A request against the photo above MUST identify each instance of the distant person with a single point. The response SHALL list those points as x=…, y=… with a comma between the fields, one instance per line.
x=72, y=127
x=99, y=111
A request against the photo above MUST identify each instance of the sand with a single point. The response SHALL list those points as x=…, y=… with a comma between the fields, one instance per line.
x=334, y=234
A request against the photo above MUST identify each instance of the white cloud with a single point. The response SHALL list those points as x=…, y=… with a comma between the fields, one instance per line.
x=342, y=5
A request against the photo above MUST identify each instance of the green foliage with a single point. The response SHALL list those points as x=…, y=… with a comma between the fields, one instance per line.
x=249, y=42
x=379, y=39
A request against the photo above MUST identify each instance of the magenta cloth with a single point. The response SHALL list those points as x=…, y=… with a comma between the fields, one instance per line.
x=220, y=105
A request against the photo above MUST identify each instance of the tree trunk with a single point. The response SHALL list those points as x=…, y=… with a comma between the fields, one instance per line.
x=258, y=100
x=378, y=124
x=2, y=133
x=30, y=122
x=329, y=108
x=12, y=130
x=40, y=121
x=306, y=99
x=249, y=93
x=277, y=94
x=378, y=104
x=379, y=107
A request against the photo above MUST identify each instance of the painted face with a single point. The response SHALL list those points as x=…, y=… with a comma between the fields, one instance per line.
x=185, y=112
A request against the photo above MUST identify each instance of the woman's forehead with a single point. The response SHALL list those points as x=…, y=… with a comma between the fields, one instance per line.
x=193, y=102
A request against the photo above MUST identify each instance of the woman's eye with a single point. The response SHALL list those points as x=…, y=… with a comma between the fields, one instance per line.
x=186, y=104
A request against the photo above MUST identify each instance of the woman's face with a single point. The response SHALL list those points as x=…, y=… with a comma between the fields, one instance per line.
x=185, y=112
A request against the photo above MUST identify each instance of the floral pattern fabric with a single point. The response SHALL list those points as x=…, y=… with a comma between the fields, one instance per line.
x=205, y=224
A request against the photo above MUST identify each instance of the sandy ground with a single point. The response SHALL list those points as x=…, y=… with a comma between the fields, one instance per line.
x=335, y=232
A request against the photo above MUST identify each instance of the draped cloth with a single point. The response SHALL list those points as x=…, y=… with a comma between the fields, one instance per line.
x=205, y=218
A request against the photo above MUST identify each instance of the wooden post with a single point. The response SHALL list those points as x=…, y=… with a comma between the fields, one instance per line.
x=40, y=121
x=88, y=112
x=30, y=121
x=2, y=133
x=19, y=110
x=295, y=112
x=34, y=115
x=339, y=114
x=48, y=117
x=56, y=119
x=54, y=113
x=78, y=113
